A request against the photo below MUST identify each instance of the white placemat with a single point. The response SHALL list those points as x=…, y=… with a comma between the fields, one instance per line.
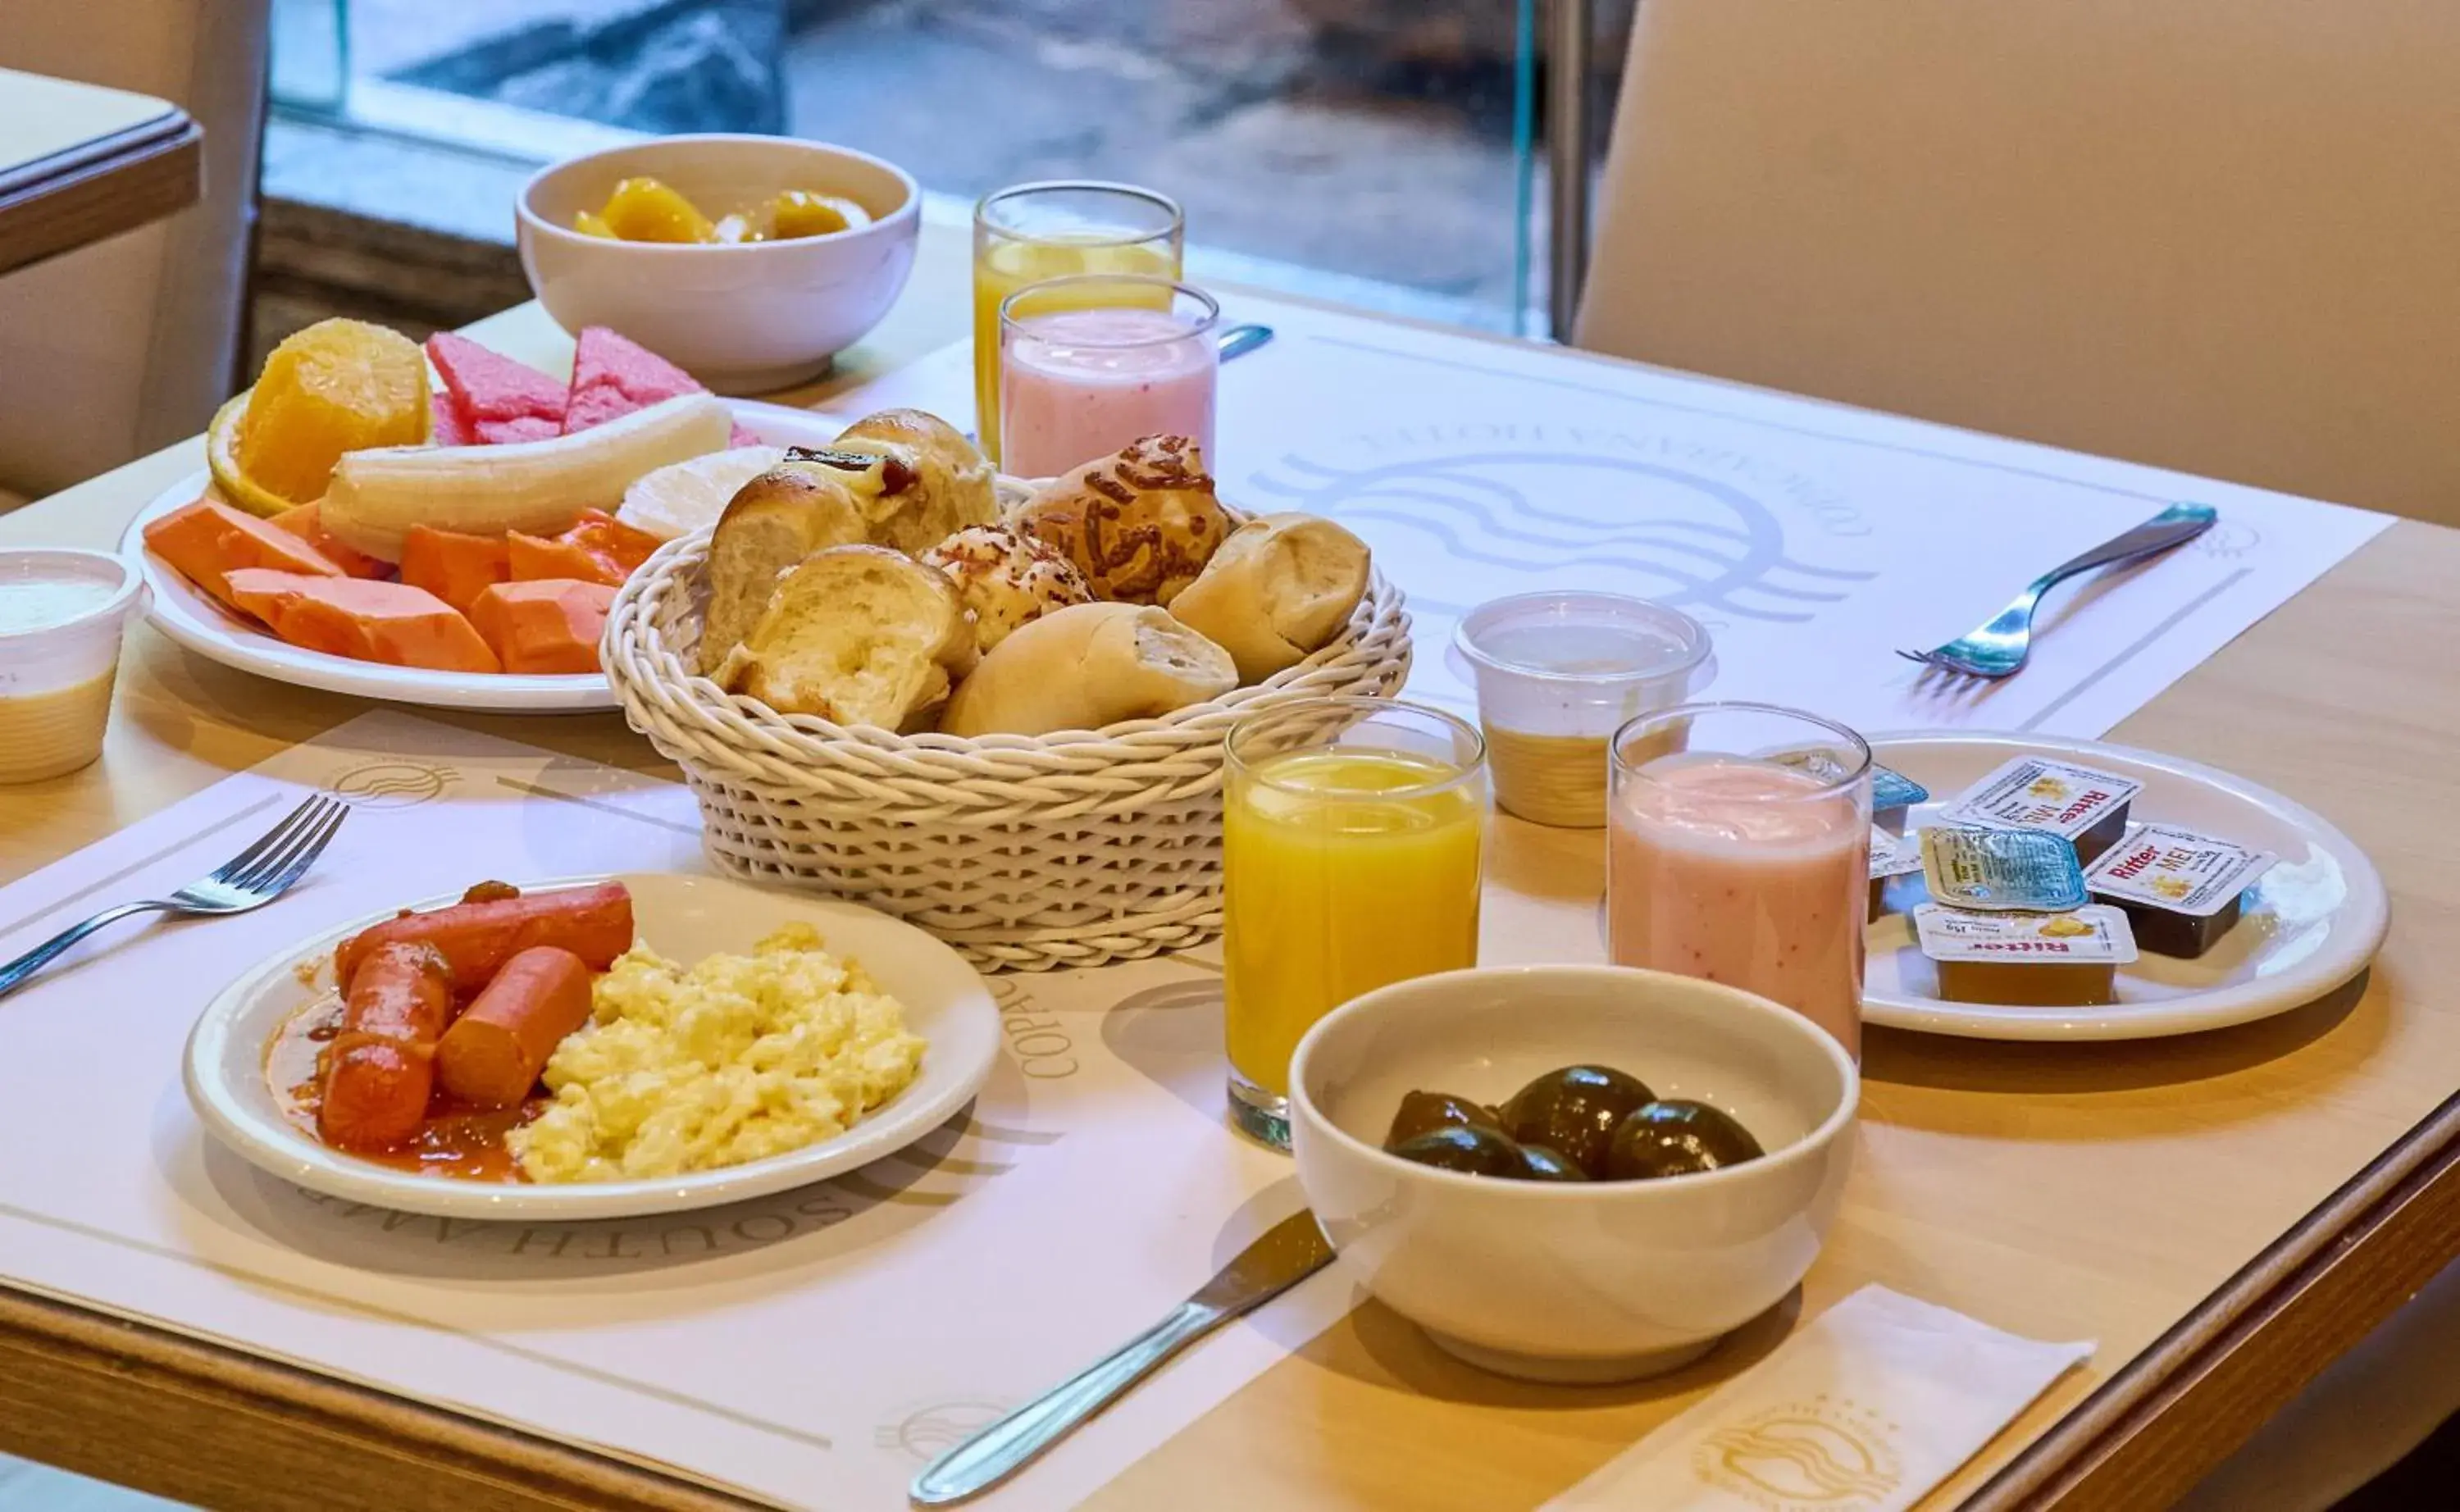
x=813, y=1349
x=1814, y=540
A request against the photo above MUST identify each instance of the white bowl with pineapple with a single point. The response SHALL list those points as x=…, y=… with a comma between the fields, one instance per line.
x=749, y=261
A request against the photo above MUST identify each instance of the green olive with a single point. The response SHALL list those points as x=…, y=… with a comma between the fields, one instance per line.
x=1543, y=1164
x=1677, y=1138
x=1424, y=1111
x=1464, y=1147
x=1574, y=1112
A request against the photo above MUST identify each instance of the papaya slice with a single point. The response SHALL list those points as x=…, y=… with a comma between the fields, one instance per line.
x=545, y=625
x=392, y=623
x=453, y=565
x=597, y=549
x=208, y=540
x=301, y=520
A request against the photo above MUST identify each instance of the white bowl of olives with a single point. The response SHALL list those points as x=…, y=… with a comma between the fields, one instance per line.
x=1573, y=1173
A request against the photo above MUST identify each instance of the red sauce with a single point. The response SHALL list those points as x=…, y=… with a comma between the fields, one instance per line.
x=455, y=1141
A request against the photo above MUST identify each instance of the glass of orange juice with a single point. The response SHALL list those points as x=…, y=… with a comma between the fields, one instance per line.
x=1032, y=232
x=1353, y=830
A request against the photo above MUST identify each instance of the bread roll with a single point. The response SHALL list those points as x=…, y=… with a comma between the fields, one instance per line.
x=1007, y=579
x=862, y=635
x=1086, y=666
x=773, y=523
x=1139, y=526
x=927, y=483
x=1279, y=590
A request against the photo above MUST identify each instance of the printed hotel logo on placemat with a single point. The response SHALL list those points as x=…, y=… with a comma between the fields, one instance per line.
x=928, y=1431
x=395, y=782
x=1819, y=1455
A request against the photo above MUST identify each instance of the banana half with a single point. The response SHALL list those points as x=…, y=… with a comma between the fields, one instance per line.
x=537, y=487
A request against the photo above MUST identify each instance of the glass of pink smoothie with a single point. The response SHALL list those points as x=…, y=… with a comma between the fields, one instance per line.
x=1094, y=361
x=1738, y=850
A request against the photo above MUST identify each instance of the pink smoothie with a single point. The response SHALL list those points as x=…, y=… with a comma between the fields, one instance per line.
x=1078, y=384
x=1744, y=873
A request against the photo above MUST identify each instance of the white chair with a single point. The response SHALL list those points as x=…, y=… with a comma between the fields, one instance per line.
x=111, y=350
x=2216, y=235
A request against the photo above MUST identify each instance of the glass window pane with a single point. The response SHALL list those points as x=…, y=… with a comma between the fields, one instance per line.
x=1371, y=151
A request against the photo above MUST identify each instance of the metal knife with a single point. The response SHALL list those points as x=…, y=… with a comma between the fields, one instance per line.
x=1289, y=1252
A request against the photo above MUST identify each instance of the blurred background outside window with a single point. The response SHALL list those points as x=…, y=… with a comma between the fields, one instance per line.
x=1372, y=151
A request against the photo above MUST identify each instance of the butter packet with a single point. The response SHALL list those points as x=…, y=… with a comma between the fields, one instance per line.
x=1891, y=857
x=2168, y=867
x=1892, y=789
x=1894, y=855
x=2026, y=960
x=2080, y=805
x=2180, y=890
x=2092, y=935
x=2030, y=870
x=1892, y=797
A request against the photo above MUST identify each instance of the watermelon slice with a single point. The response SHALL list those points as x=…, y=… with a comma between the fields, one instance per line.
x=521, y=427
x=505, y=400
x=447, y=425
x=612, y=377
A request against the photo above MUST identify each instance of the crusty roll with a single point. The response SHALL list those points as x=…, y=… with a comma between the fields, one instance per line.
x=929, y=482
x=773, y=522
x=1089, y=666
x=1279, y=590
x=862, y=635
x=1007, y=579
x=1139, y=526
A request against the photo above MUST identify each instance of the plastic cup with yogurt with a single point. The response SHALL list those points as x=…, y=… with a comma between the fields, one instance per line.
x=1557, y=674
x=61, y=616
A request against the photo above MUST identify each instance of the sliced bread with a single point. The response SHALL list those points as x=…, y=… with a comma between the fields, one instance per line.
x=860, y=635
x=772, y=524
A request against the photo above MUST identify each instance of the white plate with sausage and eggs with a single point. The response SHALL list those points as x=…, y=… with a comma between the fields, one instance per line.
x=733, y=1041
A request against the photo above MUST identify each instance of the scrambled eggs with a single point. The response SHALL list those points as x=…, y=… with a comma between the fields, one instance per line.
x=735, y=1059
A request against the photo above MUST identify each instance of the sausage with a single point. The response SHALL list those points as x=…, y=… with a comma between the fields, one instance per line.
x=593, y=923
x=494, y=1052
x=380, y=1068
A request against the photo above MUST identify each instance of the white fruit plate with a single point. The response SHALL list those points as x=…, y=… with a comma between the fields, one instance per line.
x=192, y=618
x=685, y=917
x=2310, y=924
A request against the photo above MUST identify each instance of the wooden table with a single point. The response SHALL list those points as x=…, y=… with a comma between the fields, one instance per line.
x=79, y=162
x=2224, y=1213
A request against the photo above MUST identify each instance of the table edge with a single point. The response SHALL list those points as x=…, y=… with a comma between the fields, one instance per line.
x=149, y=1358
x=102, y=197
x=2061, y=1465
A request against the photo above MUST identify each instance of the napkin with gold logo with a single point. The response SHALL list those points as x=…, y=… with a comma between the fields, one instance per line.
x=1864, y=1411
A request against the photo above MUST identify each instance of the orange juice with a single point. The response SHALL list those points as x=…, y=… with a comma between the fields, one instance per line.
x=1346, y=869
x=1001, y=267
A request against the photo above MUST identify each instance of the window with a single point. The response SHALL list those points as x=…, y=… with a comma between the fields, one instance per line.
x=1377, y=152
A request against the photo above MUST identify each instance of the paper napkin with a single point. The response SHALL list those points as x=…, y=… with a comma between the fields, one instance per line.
x=1864, y=1411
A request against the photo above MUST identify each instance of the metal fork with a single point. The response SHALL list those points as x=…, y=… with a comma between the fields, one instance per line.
x=249, y=880
x=1999, y=649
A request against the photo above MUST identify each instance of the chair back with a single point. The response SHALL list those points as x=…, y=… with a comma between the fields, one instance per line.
x=2216, y=235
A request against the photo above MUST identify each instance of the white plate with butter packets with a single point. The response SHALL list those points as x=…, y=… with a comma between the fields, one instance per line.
x=196, y=620
x=2308, y=922
x=255, y=1060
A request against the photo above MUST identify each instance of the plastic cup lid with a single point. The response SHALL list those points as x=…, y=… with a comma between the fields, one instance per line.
x=1572, y=638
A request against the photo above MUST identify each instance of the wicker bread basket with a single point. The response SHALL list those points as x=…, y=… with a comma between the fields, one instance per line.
x=1022, y=852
